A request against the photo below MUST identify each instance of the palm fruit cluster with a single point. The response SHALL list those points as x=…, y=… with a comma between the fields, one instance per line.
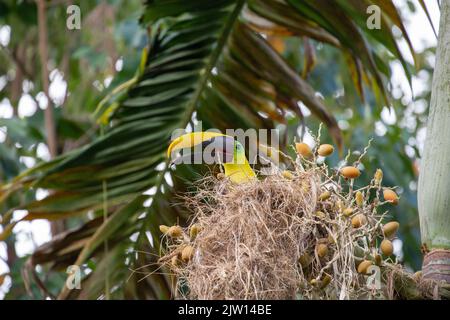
x=180, y=244
x=357, y=208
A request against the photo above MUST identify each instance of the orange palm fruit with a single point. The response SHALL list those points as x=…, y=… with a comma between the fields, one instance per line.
x=386, y=247
x=303, y=149
x=363, y=266
x=359, y=220
x=322, y=250
x=187, y=253
x=390, y=196
x=175, y=231
x=350, y=172
x=390, y=228
x=325, y=150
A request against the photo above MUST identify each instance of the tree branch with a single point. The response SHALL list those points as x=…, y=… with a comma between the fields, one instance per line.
x=50, y=129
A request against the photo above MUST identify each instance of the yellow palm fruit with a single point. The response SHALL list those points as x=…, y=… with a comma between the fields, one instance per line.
x=390, y=228
x=304, y=260
x=359, y=198
x=378, y=177
x=303, y=149
x=194, y=230
x=339, y=206
x=359, y=220
x=390, y=196
x=175, y=231
x=325, y=150
x=187, y=253
x=363, y=266
x=350, y=172
x=322, y=250
x=325, y=281
x=347, y=212
x=324, y=196
x=386, y=247
x=287, y=175
x=163, y=229
x=175, y=261
x=320, y=214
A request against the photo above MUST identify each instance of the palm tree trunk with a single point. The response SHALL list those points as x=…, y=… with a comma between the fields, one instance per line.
x=434, y=180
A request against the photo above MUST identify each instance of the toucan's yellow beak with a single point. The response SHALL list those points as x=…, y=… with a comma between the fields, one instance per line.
x=190, y=140
x=237, y=172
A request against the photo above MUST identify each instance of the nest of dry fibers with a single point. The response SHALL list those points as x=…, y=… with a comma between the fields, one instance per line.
x=250, y=241
x=306, y=233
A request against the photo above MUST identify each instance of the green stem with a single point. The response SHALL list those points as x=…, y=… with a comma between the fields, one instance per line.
x=105, y=217
x=227, y=29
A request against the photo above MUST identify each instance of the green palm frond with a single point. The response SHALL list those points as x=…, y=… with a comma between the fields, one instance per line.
x=205, y=58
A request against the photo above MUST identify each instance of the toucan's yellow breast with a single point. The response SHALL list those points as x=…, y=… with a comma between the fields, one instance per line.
x=239, y=173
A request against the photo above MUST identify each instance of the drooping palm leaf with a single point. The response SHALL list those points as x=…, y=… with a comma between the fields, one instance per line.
x=208, y=58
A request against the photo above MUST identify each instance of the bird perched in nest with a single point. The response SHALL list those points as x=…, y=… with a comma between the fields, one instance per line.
x=230, y=152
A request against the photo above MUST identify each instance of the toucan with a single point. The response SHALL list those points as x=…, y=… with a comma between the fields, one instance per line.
x=230, y=152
